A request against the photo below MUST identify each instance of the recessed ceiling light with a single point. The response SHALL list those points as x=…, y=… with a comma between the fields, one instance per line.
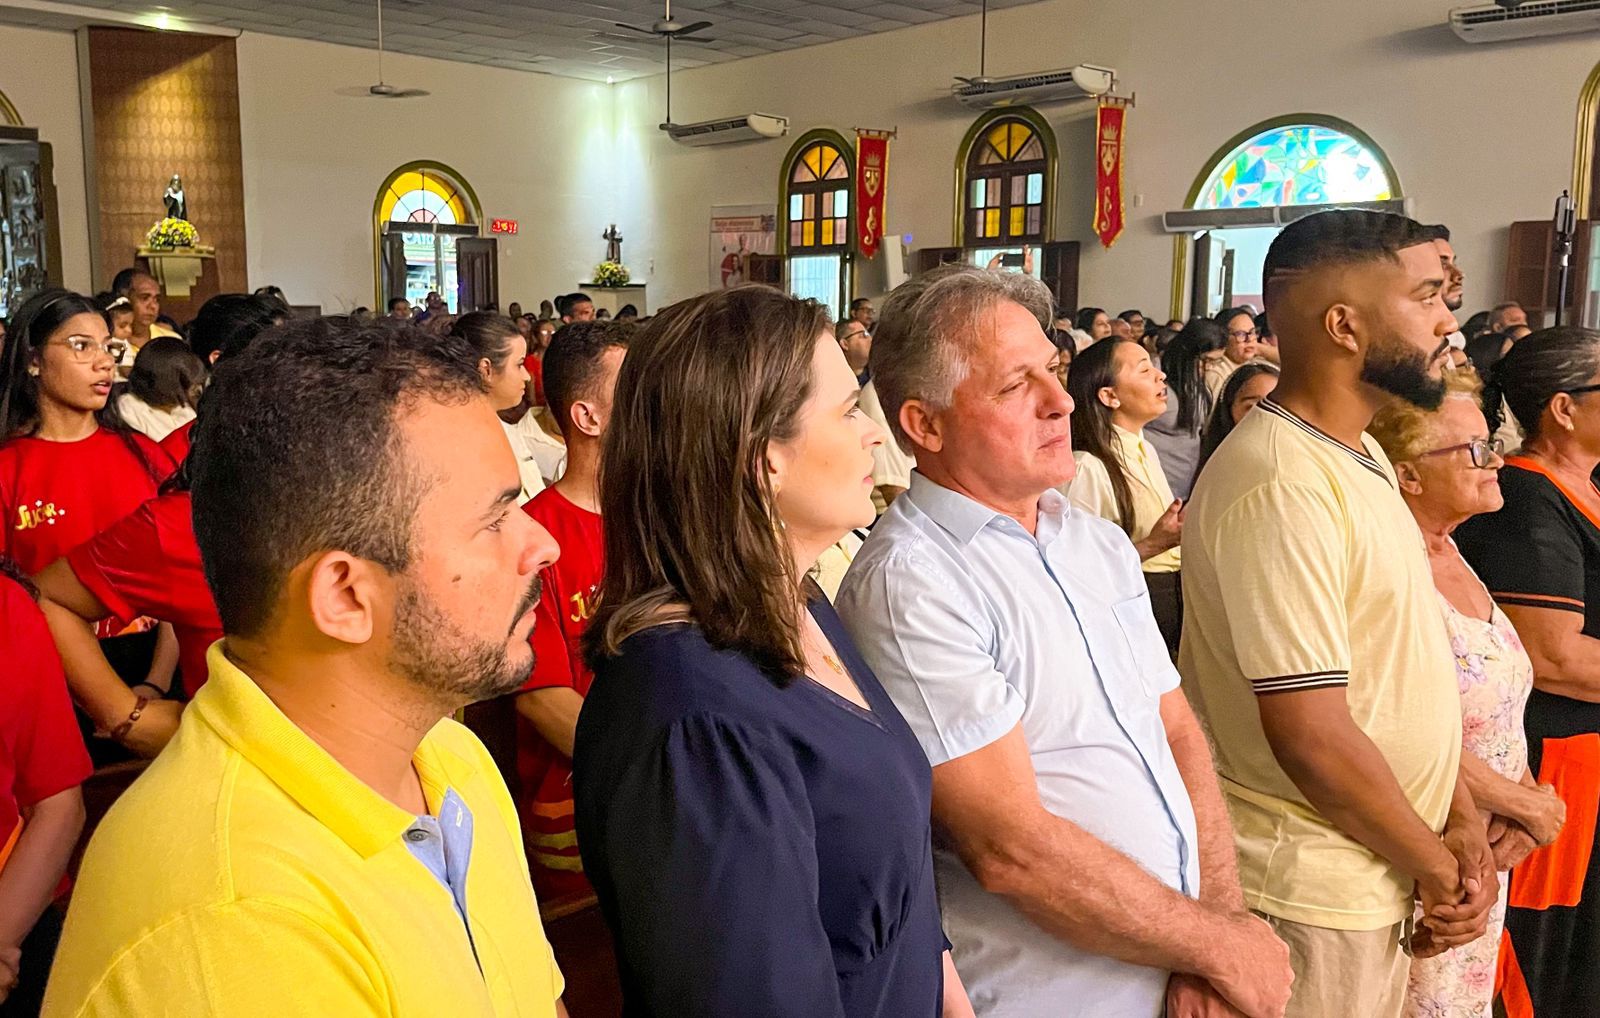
x=610, y=80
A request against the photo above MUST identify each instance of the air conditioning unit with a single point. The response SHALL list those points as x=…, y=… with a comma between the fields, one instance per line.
x=1493, y=23
x=1036, y=89
x=750, y=127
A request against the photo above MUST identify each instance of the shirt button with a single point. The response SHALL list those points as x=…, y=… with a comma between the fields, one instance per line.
x=416, y=835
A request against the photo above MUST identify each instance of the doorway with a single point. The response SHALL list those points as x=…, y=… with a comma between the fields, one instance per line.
x=452, y=261
x=1227, y=268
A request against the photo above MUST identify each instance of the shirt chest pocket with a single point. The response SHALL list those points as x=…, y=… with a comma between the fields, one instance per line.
x=1143, y=645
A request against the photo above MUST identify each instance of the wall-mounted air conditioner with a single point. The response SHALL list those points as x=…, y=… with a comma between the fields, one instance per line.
x=1494, y=23
x=1081, y=82
x=750, y=127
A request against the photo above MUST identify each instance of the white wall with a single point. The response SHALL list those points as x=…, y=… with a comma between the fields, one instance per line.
x=39, y=74
x=1479, y=135
x=535, y=148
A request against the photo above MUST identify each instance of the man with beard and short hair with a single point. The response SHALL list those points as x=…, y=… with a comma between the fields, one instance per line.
x=1453, y=293
x=340, y=845
x=1313, y=642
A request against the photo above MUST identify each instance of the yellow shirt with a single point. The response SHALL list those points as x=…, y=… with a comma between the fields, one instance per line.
x=1090, y=490
x=247, y=873
x=1303, y=569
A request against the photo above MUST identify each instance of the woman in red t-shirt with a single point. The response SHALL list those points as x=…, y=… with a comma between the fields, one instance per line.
x=68, y=468
x=42, y=766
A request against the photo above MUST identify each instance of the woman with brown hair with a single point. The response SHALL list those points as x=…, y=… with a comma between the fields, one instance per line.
x=751, y=808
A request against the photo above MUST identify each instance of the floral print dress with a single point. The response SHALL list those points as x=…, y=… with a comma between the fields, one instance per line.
x=1495, y=677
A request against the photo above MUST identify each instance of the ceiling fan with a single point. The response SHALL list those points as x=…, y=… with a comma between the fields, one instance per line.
x=383, y=90
x=983, y=51
x=670, y=30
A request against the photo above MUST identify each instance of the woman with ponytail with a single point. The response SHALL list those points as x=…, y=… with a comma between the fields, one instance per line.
x=1540, y=558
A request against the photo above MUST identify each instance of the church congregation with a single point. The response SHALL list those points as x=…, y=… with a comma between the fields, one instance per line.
x=1077, y=591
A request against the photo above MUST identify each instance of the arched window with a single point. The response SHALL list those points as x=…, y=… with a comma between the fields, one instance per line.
x=422, y=213
x=1005, y=184
x=8, y=113
x=1586, y=153
x=1302, y=159
x=1296, y=164
x=817, y=207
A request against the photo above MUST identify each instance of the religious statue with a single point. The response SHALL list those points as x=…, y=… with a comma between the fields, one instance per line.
x=177, y=207
x=613, y=241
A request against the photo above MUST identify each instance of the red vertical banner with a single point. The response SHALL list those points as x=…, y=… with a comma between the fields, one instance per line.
x=872, y=181
x=1110, y=134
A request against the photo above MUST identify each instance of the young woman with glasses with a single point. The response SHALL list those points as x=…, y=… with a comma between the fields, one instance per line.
x=1447, y=464
x=1540, y=557
x=69, y=468
x=1243, y=345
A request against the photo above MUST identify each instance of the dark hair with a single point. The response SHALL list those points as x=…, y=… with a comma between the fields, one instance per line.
x=111, y=305
x=706, y=388
x=565, y=302
x=1162, y=339
x=1338, y=237
x=626, y=311
x=1485, y=350
x=1083, y=321
x=13, y=572
x=1094, y=369
x=1437, y=231
x=229, y=321
x=1263, y=326
x=1535, y=369
x=859, y=303
x=297, y=450
x=167, y=374
x=1226, y=316
x=398, y=300
x=488, y=333
x=572, y=362
x=1183, y=362
x=122, y=282
x=1477, y=325
x=1221, y=424
x=26, y=333
x=1130, y=314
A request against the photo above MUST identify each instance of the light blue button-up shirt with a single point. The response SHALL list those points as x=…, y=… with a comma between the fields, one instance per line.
x=974, y=625
x=443, y=845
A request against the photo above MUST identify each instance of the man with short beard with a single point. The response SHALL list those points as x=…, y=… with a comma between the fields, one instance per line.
x=1453, y=293
x=1313, y=642
x=329, y=842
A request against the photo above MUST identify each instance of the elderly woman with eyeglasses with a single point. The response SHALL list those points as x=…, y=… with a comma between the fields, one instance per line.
x=1540, y=556
x=1447, y=464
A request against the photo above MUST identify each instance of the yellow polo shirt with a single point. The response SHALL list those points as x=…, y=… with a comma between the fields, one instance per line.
x=1303, y=569
x=1091, y=491
x=247, y=873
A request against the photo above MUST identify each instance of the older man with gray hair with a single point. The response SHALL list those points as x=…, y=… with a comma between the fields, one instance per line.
x=1084, y=856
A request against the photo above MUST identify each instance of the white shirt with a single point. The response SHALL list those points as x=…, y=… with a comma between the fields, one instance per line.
x=973, y=625
x=1149, y=492
x=152, y=423
x=527, y=465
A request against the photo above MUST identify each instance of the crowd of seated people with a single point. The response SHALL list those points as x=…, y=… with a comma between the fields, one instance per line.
x=961, y=656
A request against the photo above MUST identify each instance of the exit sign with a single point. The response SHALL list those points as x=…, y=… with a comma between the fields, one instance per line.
x=503, y=226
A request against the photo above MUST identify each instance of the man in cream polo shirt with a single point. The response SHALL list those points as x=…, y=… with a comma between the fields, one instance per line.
x=1313, y=642
x=319, y=838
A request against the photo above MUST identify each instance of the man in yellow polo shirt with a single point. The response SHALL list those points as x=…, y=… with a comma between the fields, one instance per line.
x=318, y=838
x=1313, y=641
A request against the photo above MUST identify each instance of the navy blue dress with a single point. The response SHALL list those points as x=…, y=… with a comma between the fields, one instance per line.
x=756, y=850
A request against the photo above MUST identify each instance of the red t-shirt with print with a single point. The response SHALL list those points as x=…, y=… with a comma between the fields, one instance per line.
x=148, y=563
x=41, y=749
x=566, y=604
x=57, y=495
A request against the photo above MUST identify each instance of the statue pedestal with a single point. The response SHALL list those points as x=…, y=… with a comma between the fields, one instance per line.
x=177, y=269
x=612, y=298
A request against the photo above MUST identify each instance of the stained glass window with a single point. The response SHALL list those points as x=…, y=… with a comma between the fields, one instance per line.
x=1005, y=197
x=424, y=196
x=818, y=216
x=1302, y=164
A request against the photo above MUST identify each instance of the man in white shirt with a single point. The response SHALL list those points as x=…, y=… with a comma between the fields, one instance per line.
x=1084, y=856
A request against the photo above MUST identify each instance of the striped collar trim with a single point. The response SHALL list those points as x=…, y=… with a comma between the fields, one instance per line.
x=1359, y=456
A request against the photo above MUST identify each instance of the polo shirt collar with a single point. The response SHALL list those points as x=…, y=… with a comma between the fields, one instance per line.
x=249, y=722
x=963, y=517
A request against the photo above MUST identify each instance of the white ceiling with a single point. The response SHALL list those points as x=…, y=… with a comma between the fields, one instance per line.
x=575, y=38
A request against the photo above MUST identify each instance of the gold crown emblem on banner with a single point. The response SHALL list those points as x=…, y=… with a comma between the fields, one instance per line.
x=1110, y=133
x=874, y=159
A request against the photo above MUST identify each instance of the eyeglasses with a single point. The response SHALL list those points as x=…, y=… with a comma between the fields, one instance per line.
x=1243, y=334
x=1484, y=451
x=1580, y=390
x=85, y=350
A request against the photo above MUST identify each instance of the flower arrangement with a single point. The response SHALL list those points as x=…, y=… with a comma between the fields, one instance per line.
x=171, y=233
x=610, y=274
